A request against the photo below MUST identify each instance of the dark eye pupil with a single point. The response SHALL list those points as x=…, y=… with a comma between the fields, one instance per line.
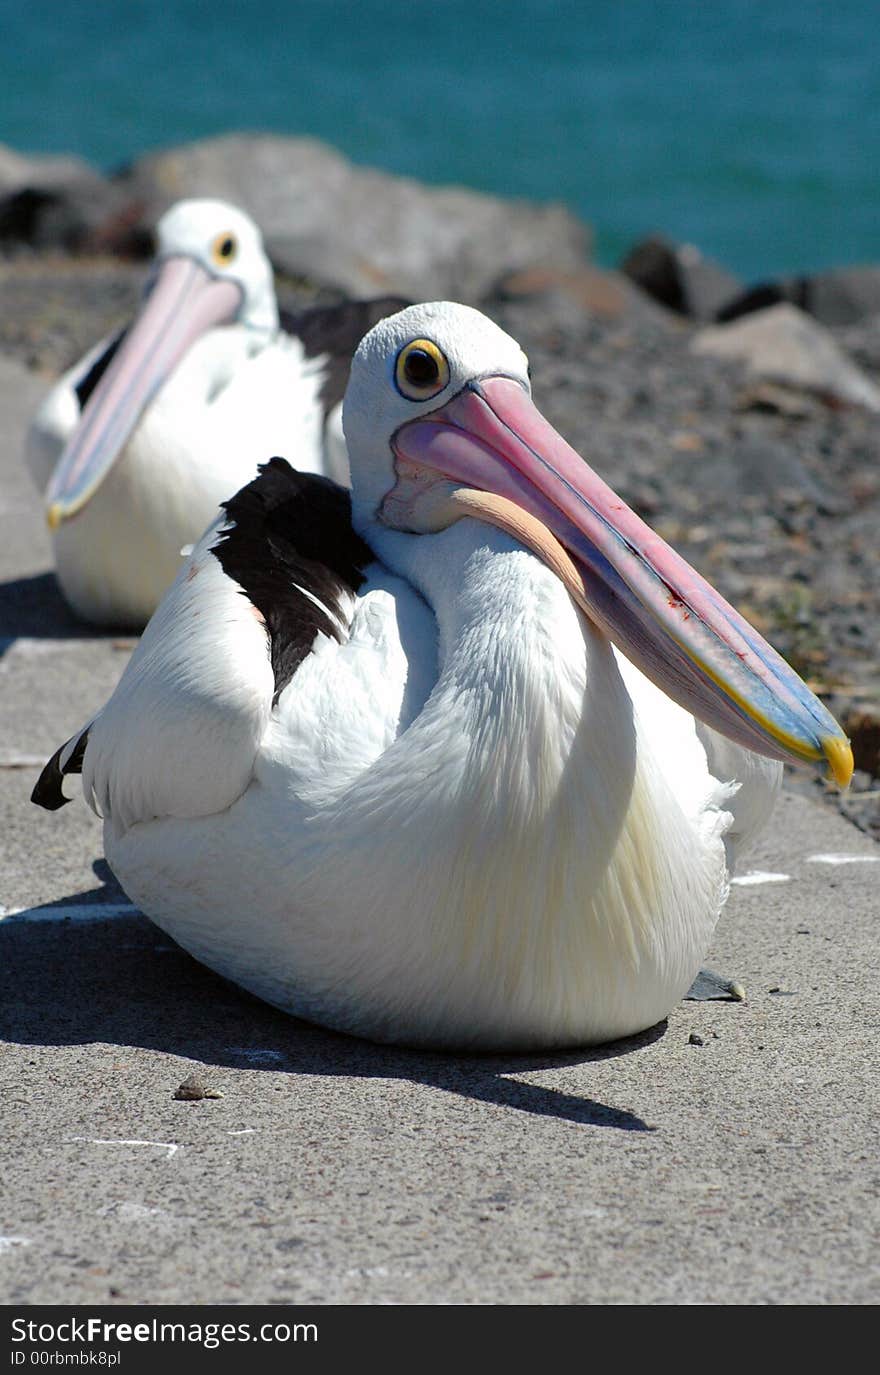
x=226, y=248
x=420, y=368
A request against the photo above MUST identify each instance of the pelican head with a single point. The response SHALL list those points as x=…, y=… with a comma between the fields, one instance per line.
x=440, y=425
x=228, y=246
x=210, y=270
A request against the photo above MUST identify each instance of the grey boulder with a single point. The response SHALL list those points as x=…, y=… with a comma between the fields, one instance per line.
x=842, y=296
x=679, y=276
x=782, y=344
x=63, y=203
x=358, y=230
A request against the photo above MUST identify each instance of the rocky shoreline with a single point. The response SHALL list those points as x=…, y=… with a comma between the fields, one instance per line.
x=741, y=420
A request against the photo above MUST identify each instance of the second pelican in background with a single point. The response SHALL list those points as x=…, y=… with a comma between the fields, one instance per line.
x=138, y=444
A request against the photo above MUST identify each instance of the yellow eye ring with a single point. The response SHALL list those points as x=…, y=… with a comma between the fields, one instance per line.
x=421, y=370
x=224, y=249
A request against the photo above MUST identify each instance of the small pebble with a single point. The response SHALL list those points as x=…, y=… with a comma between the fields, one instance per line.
x=193, y=1089
x=694, y=1039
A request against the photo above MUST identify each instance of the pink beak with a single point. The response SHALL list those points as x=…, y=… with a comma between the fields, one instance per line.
x=184, y=302
x=648, y=600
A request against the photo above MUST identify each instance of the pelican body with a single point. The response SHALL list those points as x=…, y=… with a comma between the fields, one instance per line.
x=139, y=443
x=462, y=760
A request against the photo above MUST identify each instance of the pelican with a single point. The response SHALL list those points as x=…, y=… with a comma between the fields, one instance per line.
x=139, y=443
x=461, y=760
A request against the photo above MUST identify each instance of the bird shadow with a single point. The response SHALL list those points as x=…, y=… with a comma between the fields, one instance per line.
x=32, y=607
x=79, y=971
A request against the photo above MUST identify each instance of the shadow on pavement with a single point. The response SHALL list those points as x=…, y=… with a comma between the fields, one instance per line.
x=80, y=978
x=33, y=607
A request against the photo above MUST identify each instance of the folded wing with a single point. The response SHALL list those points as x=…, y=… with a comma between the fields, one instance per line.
x=180, y=735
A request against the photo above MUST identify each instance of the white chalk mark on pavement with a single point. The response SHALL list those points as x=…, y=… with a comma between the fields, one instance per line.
x=842, y=858
x=760, y=876
x=10, y=1243
x=130, y=1212
x=257, y=1056
x=169, y=1147
x=32, y=646
x=74, y=911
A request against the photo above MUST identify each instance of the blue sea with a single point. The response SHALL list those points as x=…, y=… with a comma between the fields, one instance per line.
x=750, y=127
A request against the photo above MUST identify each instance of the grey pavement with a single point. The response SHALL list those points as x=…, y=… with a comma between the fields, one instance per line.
x=740, y=1169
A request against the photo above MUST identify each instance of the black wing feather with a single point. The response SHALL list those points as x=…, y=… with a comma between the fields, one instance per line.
x=86, y=385
x=337, y=330
x=290, y=531
x=290, y=535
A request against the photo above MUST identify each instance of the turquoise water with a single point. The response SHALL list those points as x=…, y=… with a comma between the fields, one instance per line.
x=751, y=127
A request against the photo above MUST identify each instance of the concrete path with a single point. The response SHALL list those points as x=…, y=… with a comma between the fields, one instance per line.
x=727, y=1156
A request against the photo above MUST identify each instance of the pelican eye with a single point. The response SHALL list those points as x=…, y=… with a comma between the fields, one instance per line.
x=421, y=370
x=224, y=249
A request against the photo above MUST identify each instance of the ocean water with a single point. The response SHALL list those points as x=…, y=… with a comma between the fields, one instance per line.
x=750, y=127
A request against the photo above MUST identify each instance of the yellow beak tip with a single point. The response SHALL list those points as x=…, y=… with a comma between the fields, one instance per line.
x=839, y=754
x=54, y=515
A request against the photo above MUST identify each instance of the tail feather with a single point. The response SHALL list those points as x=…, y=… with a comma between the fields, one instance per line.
x=49, y=792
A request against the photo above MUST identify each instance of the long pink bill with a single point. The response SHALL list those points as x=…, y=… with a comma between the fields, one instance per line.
x=184, y=302
x=647, y=599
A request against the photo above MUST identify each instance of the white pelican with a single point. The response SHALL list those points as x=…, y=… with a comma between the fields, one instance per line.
x=386, y=769
x=139, y=443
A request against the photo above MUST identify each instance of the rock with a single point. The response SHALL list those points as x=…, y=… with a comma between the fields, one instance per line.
x=356, y=229
x=762, y=296
x=63, y=203
x=773, y=399
x=680, y=277
x=606, y=295
x=193, y=1090
x=17, y=172
x=594, y=291
x=711, y=987
x=843, y=296
x=782, y=344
